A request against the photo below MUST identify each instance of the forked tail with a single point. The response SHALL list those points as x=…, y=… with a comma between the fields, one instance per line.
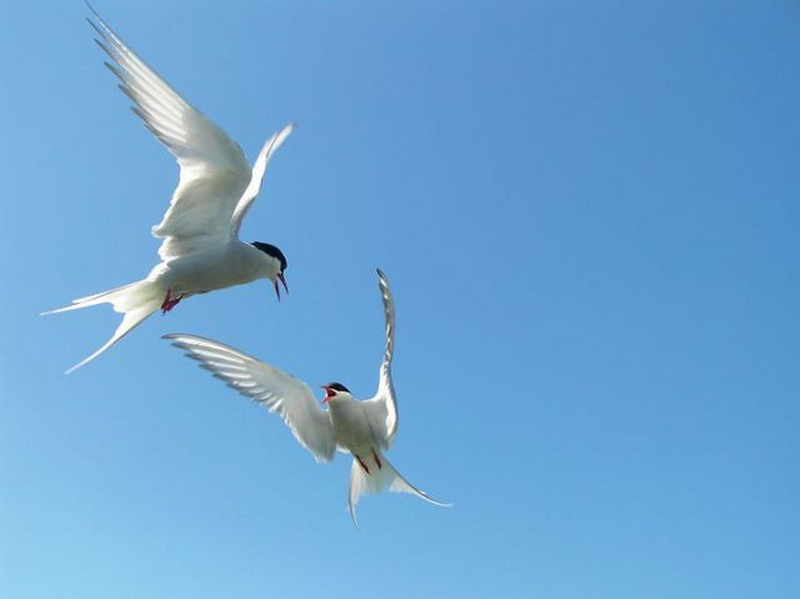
x=136, y=301
x=373, y=474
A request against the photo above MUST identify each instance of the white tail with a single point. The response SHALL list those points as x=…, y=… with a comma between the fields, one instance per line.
x=136, y=301
x=380, y=478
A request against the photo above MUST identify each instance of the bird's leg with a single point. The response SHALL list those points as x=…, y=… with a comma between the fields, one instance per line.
x=377, y=459
x=363, y=465
x=170, y=302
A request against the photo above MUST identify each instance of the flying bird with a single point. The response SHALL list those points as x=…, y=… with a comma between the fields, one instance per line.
x=365, y=429
x=201, y=250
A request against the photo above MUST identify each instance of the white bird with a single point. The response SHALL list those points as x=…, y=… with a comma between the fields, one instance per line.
x=364, y=429
x=201, y=250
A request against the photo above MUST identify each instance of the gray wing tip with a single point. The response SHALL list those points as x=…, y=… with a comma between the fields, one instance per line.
x=96, y=28
x=90, y=7
x=103, y=30
x=383, y=283
x=386, y=291
x=179, y=340
x=178, y=335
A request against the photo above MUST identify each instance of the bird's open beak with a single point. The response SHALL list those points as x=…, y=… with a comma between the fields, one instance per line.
x=278, y=289
x=328, y=393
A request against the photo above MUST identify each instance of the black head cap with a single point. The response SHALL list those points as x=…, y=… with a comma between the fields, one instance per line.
x=338, y=387
x=273, y=251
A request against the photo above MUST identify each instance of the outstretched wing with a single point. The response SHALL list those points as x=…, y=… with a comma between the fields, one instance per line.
x=382, y=408
x=213, y=170
x=259, y=168
x=275, y=389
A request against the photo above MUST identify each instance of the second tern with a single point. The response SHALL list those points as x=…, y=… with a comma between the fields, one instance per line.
x=365, y=429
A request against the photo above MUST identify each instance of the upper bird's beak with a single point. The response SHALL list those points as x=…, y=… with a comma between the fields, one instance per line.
x=278, y=289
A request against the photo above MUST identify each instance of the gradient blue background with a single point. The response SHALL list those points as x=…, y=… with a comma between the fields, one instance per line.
x=589, y=215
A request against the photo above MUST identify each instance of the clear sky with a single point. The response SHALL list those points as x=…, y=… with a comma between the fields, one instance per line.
x=589, y=215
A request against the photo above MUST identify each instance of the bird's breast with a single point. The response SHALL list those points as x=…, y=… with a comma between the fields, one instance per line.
x=212, y=269
x=350, y=423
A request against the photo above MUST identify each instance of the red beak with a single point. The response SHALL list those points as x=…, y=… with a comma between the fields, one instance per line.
x=277, y=288
x=328, y=393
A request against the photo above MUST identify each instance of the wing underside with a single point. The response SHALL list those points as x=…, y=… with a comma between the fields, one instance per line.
x=271, y=387
x=213, y=170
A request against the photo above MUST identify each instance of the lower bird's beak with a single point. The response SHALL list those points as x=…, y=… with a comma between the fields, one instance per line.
x=278, y=289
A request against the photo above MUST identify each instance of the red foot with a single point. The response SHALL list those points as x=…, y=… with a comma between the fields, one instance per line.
x=170, y=302
x=363, y=465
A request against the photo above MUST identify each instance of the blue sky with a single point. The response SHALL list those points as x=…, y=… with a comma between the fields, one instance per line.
x=588, y=212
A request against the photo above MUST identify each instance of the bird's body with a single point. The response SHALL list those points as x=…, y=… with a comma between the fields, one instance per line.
x=363, y=428
x=351, y=425
x=201, y=250
x=211, y=268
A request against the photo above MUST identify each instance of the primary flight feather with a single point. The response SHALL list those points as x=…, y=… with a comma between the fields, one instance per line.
x=201, y=250
x=365, y=429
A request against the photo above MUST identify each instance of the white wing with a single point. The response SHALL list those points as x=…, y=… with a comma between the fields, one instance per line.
x=213, y=170
x=382, y=408
x=277, y=390
x=259, y=168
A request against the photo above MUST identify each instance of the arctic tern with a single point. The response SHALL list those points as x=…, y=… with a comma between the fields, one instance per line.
x=201, y=250
x=365, y=429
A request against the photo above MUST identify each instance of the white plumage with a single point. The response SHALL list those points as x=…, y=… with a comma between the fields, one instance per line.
x=201, y=250
x=364, y=429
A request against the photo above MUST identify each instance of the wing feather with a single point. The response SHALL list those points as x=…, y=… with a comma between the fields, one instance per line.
x=382, y=408
x=259, y=168
x=275, y=389
x=213, y=168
